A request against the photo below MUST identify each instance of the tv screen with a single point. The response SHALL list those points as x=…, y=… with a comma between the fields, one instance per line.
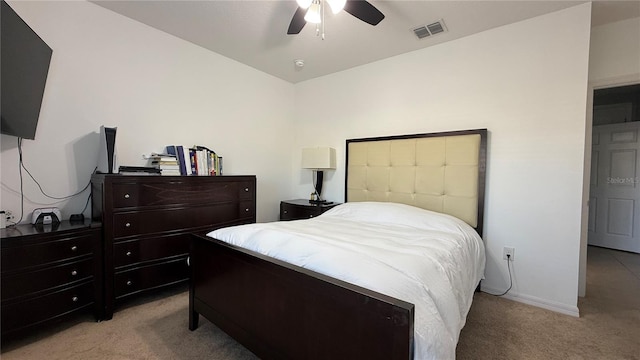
x=24, y=59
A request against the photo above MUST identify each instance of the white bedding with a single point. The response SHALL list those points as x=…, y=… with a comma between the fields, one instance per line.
x=431, y=260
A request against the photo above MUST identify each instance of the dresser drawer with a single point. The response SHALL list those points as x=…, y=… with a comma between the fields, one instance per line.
x=25, y=284
x=178, y=192
x=148, y=277
x=302, y=209
x=14, y=258
x=154, y=221
x=246, y=209
x=127, y=253
x=246, y=190
x=306, y=212
x=25, y=313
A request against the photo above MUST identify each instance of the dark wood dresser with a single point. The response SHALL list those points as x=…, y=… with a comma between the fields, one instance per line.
x=302, y=209
x=147, y=221
x=48, y=273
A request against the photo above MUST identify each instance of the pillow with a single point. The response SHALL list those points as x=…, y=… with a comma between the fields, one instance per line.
x=397, y=214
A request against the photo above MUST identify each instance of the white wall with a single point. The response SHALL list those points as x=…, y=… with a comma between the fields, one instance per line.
x=157, y=90
x=527, y=84
x=615, y=51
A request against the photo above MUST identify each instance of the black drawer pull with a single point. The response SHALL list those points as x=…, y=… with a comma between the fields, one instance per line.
x=126, y=196
x=286, y=211
x=74, y=248
x=246, y=189
x=129, y=282
x=246, y=210
x=74, y=273
x=75, y=299
x=128, y=253
x=127, y=225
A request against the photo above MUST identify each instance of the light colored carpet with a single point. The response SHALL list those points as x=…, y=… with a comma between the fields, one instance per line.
x=155, y=327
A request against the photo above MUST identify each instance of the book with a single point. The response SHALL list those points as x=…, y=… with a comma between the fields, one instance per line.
x=194, y=161
x=184, y=161
x=138, y=170
x=170, y=172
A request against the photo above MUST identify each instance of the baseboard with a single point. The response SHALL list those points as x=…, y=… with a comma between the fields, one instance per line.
x=537, y=302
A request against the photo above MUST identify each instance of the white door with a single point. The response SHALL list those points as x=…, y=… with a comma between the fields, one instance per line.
x=614, y=204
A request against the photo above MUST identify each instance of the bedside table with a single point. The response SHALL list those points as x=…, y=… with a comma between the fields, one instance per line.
x=302, y=209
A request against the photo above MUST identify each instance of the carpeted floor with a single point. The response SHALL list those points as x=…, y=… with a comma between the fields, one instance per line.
x=155, y=327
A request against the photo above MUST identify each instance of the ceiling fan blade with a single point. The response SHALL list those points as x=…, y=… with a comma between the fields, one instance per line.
x=364, y=11
x=297, y=22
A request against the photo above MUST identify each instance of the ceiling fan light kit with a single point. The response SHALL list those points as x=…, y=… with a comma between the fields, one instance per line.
x=312, y=11
x=304, y=3
x=335, y=5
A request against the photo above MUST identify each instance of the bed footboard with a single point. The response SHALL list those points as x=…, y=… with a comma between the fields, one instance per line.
x=281, y=311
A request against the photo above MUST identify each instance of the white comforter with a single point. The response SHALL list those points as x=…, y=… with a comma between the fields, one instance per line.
x=431, y=260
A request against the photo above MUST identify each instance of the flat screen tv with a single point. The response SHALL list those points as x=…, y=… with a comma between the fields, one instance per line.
x=24, y=59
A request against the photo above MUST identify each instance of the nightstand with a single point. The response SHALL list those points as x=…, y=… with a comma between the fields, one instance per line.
x=302, y=209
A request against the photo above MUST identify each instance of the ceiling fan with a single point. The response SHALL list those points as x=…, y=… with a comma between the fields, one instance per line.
x=313, y=11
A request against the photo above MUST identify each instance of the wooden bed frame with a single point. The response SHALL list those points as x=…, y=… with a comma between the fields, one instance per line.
x=282, y=311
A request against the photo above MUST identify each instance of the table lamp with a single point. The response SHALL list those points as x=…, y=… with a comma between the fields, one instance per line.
x=318, y=159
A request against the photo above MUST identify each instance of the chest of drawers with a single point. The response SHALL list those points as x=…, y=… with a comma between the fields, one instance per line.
x=147, y=221
x=49, y=273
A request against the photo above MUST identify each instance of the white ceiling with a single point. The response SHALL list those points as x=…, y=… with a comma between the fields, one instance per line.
x=254, y=32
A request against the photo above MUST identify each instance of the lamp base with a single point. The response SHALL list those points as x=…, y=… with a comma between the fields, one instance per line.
x=325, y=202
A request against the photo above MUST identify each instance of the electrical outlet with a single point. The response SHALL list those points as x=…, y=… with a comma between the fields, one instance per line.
x=508, y=251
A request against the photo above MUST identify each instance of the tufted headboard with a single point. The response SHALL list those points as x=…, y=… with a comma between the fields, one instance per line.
x=443, y=172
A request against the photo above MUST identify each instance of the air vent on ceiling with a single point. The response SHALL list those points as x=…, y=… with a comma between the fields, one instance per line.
x=430, y=30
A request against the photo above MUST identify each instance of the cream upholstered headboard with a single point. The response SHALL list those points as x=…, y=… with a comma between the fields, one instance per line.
x=443, y=172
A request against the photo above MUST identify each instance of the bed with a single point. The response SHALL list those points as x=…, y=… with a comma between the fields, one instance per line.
x=389, y=274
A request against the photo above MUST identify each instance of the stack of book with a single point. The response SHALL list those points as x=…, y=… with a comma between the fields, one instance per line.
x=167, y=163
x=196, y=160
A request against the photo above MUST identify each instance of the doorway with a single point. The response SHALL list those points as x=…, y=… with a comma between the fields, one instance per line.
x=614, y=198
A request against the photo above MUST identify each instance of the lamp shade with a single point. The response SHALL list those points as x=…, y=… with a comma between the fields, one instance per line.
x=319, y=158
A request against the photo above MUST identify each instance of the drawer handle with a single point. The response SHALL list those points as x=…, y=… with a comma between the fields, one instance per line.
x=74, y=248
x=246, y=210
x=286, y=211
x=129, y=282
x=74, y=273
x=75, y=299
x=126, y=196
x=310, y=216
x=188, y=260
x=128, y=253
x=127, y=225
x=246, y=189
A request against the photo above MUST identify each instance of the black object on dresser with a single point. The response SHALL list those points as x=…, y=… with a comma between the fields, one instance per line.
x=147, y=221
x=49, y=272
x=302, y=209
